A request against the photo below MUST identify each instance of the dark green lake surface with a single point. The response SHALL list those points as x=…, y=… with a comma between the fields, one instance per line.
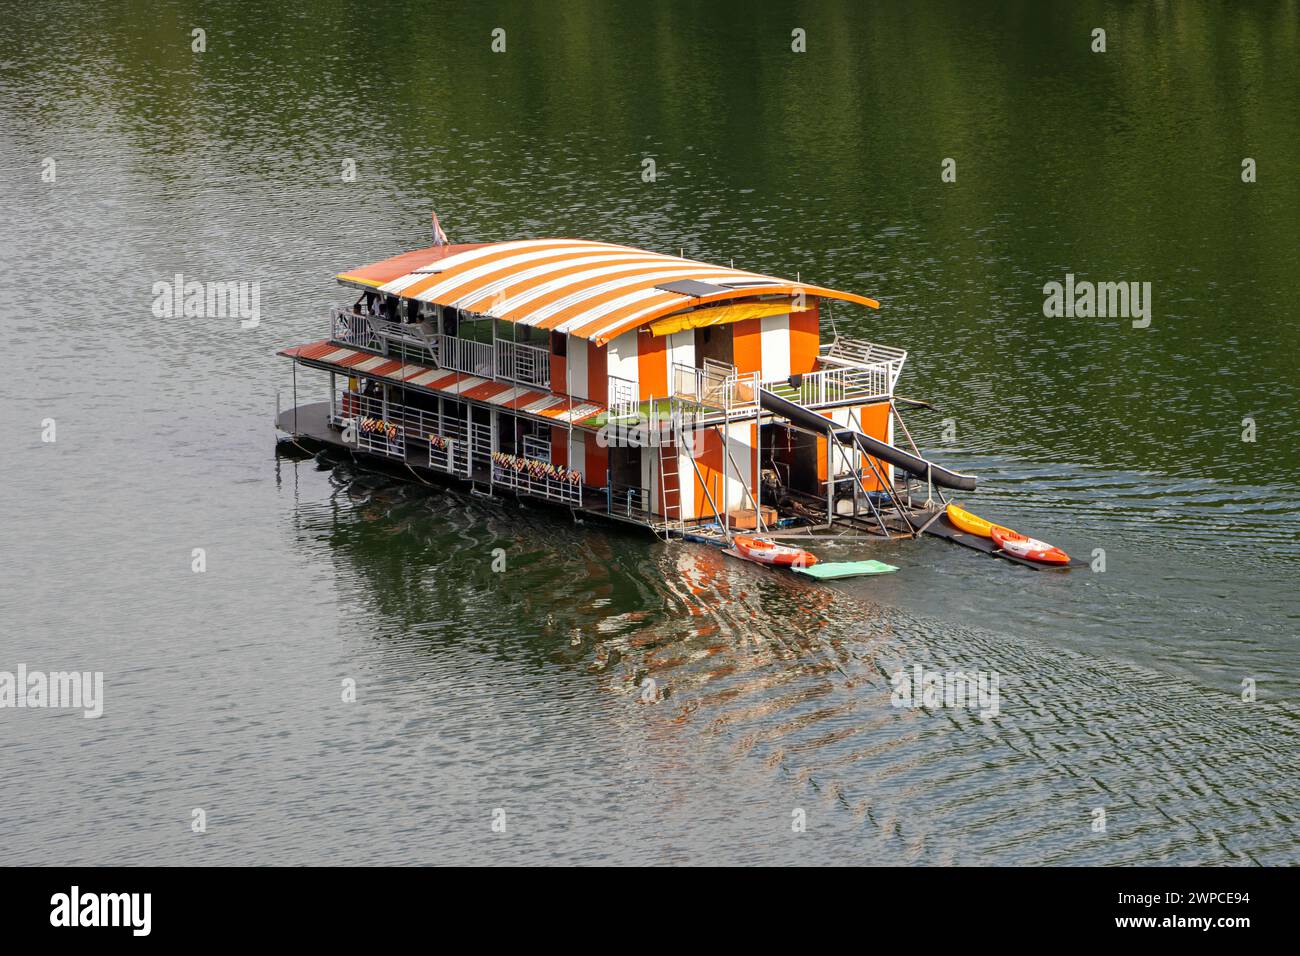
x=1119, y=690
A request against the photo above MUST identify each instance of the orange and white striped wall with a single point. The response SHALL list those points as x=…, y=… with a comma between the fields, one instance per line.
x=776, y=346
x=725, y=477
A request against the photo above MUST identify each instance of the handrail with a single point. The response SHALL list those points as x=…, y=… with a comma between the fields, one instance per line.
x=353, y=328
x=526, y=364
x=537, y=477
x=466, y=355
x=538, y=449
x=624, y=400
x=865, y=357
x=629, y=501
x=837, y=385
x=512, y=361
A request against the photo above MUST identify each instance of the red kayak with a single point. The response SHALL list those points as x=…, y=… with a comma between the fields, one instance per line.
x=769, y=552
x=1031, y=549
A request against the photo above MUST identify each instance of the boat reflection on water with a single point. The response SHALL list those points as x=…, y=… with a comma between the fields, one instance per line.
x=682, y=661
x=436, y=561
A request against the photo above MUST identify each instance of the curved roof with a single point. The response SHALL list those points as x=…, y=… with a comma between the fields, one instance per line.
x=594, y=290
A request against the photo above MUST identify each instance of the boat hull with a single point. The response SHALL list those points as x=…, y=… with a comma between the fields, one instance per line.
x=972, y=523
x=1031, y=549
x=768, y=552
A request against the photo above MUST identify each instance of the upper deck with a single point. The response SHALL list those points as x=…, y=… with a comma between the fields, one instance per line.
x=608, y=329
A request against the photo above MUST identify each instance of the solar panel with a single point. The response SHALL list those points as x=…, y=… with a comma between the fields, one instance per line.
x=692, y=287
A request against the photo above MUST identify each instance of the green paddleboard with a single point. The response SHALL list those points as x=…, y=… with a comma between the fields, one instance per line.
x=846, y=569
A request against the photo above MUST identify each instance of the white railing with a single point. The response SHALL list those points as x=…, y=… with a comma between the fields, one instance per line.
x=465, y=355
x=526, y=364
x=629, y=501
x=850, y=371
x=511, y=361
x=538, y=478
x=624, y=400
x=834, y=386
x=379, y=430
x=856, y=354
x=353, y=328
x=740, y=392
x=538, y=449
x=860, y=352
x=416, y=340
x=449, y=448
x=717, y=386
x=411, y=424
x=480, y=446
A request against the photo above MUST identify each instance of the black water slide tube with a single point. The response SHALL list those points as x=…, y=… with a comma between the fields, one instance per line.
x=876, y=449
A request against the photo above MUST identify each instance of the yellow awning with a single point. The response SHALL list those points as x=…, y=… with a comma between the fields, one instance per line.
x=719, y=315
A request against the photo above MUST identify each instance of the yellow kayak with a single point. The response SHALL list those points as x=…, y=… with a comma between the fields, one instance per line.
x=973, y=524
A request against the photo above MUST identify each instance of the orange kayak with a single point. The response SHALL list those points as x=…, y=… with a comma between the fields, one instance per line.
x=769, y=552
x=1030, y=549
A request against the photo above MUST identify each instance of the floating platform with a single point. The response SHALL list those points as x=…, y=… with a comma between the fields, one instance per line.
x=833, y=570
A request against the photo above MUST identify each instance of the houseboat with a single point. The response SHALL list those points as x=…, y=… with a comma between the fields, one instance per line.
x=686, y=398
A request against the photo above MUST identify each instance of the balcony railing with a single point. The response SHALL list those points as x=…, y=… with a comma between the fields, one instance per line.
x=717, y=387
x=849, y=371
x=510, y=361
x=538, y=449
x=629, y=501
x=538, y=478
x=464, y=355
x=833, y=386
x=351, y=328
x=525, y=364
x=395, y=430
x=624, y=403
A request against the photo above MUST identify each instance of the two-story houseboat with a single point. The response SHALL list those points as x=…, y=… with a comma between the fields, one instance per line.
x=642, y=387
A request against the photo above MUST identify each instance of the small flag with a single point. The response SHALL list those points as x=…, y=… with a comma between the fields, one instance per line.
x=439, y=237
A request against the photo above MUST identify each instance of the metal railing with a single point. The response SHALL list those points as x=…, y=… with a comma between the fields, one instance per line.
x=535, y=478
x=865, y=356
x=415, y=427
x=449, y=447
x=480, y=446
x=859, y=352
x=717, y=386
x=624, y=400
x=465, y=355
x=629, y=501
x=850, y=372
x=834, y=386
x=353, y=328
x=525, y=364
x=377, y=429
x=538, y=449
x=512, y=361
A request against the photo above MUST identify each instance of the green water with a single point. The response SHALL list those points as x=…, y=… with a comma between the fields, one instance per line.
x=479, y=690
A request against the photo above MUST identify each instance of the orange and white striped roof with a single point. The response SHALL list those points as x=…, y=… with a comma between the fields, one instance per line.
x=594, y=290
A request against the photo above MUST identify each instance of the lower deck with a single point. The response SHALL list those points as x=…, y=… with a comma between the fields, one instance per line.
x=314, y=426
x=798, y=516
